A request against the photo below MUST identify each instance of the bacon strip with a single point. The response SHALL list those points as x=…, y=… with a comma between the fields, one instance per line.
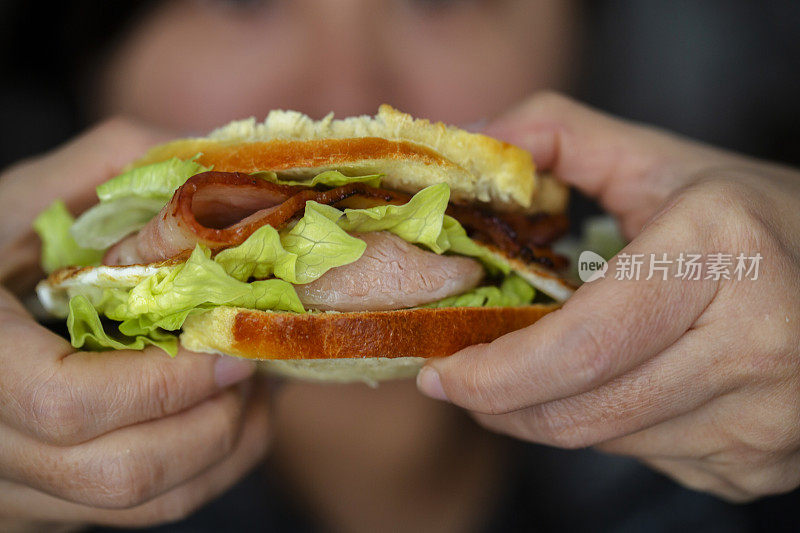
x=222, y=209
x=517, y=235
x=525, y=236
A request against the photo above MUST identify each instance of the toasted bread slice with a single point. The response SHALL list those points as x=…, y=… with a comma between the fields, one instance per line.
x=411, y=153
x=333, y=346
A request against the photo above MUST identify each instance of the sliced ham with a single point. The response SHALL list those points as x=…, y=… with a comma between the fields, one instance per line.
x=222, y=209
x=392, y=274
x=210, y=208
x=125, y=252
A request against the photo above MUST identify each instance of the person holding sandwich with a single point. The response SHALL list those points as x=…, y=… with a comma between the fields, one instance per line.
x=696, y=379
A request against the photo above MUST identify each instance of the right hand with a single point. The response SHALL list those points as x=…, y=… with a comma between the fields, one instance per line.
x=121, y=438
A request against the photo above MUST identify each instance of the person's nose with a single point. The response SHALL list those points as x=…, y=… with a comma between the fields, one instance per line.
x=344, y=58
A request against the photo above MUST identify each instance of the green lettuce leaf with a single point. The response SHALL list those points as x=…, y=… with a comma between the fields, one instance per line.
x=130, y=200
x=422, y=220
x=86, y=331
x=163, y=301
x=319, y=241
x=514, y=291
x=455, y=240
x=59, y=249
x=157, y=180
x=146, y=309
x=298, y=255
x=144, y=324
x=203, y=282
x=329, y=178
x=108, y=222
x=258, y=256
x=319, y=244
x=111, y=302
x=418, y=221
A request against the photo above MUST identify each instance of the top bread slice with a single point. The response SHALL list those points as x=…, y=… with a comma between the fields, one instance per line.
x=411, y=153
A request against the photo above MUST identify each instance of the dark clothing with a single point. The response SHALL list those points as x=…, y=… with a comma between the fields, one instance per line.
x=549, y=490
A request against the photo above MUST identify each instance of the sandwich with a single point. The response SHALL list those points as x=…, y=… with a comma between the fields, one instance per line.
x=334, y=250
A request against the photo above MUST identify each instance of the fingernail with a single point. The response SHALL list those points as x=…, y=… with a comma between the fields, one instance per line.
x=429, y=384
x=229, y=370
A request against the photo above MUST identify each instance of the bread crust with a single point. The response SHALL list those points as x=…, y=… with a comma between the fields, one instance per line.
x=411, y=153
x=390, y=334
x=278, y=155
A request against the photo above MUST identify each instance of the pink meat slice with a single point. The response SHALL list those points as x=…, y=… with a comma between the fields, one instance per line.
x=222, y=209
x=125, y=252
x=392, y=274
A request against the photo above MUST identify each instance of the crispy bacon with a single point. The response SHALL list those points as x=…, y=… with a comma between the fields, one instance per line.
x=222, y=209
x=526, y=237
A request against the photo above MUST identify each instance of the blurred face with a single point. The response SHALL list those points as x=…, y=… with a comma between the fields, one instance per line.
x=191, y=65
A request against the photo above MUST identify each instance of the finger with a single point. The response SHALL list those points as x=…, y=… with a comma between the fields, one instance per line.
x=736, y=482
x=669, y=440
x=732, y=429
x=629, y=168
x=131, y=465
x=693, y=450
x=70, y=173
x=64, y=397
x=73, y=170
x=660, y=389
x=21, y=502
x=607, y=328
x=690, y=474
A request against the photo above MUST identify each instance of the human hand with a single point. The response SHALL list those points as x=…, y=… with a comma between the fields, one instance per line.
x=125, y=438
x=698, y=379
x=70, y=173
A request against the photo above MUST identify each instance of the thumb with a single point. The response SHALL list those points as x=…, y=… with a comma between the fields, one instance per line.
x=70, y=173
x=73, y=170
x=630, y=169
x=607, y=328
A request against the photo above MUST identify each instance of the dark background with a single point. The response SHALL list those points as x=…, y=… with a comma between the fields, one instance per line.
x=725, y=72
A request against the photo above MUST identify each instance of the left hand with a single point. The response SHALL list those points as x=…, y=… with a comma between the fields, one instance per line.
x=698, y=379
x=130, y=439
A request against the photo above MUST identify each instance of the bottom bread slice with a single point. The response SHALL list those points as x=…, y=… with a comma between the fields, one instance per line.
x=369, y=370
x=345, y=347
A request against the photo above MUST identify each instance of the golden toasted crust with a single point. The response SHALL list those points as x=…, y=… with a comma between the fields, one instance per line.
x=411, y=153
x=389, y=334
x=280, y=155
